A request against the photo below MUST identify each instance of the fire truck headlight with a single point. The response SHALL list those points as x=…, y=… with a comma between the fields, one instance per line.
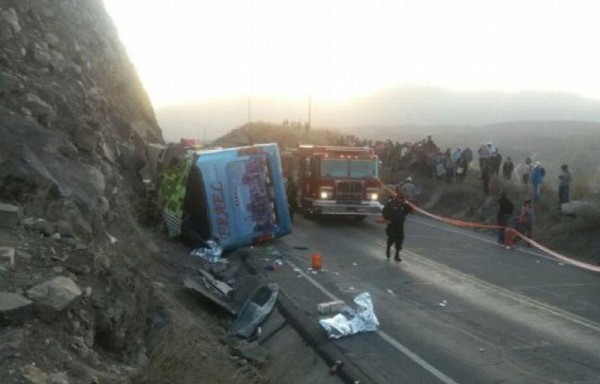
x=326, y=193
x=373, y=194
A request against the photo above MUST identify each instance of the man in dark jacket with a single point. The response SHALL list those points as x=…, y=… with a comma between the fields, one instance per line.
x=505, y=210
x=507, y=168
x=394, y=213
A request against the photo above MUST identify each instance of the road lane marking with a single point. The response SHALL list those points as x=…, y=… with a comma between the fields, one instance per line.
x=384, y=336
x=560, y=313
x=480, y=238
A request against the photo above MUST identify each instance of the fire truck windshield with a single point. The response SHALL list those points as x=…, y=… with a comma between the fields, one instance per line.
x=349, y=168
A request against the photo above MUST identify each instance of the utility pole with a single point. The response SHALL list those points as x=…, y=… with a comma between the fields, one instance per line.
x=309, y=110
x=249, y=115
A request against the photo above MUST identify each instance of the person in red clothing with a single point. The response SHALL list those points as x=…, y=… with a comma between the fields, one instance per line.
x=524, y=225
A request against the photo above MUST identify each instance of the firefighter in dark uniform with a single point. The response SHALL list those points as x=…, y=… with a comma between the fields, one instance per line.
x=394, y=213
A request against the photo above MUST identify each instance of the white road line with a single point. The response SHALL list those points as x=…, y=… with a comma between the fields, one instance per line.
x=390, y=340
x=472, y=236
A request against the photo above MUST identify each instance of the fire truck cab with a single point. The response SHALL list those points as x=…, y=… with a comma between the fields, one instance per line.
x=338, y=181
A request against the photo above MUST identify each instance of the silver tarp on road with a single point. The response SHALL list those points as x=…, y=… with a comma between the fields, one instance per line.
x=352, y=321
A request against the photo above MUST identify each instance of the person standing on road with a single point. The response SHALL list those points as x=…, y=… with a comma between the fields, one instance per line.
x=394, y=213
x=505, y=210
x=565, y=179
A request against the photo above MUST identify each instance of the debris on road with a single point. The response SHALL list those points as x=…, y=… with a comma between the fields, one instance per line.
x=355, y=264
x=390, y=292
x=443, y=303
x=210, y=293
x=276, y=265
x=336, y=367
x=212, y=253
x=350, y=321
x=222, y=287
x=254, y=311
x=331, y=307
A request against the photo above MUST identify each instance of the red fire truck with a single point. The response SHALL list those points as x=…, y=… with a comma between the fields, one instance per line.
x=335, y=180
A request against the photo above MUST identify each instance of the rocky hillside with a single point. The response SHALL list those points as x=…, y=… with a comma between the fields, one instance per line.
x=74, y=118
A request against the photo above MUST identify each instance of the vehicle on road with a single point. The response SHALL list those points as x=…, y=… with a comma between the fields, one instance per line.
x=335, y=180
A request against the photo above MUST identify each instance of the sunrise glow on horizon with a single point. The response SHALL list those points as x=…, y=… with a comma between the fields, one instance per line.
x=187, y=50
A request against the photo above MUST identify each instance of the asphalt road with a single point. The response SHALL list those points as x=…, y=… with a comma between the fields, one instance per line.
x=457, y=309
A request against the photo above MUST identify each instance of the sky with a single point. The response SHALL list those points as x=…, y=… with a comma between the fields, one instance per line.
x=188, y=51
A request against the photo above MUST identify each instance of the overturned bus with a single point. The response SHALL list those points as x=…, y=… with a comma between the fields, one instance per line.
x=235, y=196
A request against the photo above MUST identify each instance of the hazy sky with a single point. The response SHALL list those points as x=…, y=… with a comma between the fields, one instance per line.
x=195, y=50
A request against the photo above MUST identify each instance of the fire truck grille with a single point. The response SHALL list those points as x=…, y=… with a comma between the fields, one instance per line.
x=349, y=192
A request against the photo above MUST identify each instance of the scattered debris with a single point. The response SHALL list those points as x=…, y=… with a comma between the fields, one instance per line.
x=254, y=311
x=443, y=303
x=390, y=292
x=350, y=321
x=212, y=253
x=336, y=367
x=225, y=289
x=331, y=307
x=189, y=283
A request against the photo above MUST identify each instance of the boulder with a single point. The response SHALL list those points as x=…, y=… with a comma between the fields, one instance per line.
x=9, y=16
x=588, y=209
x=65, y=228
x=54, y=296
x=52, y=40
x=85, y=139
x=10, y=215
x=44, y=227
x=14, y=308
x=7, y=257
x=59, y=378
x=39, y=108
x=34, y=375
x=11, y=340
x=9, y=83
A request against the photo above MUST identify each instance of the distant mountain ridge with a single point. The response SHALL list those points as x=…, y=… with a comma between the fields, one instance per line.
x=410, y=105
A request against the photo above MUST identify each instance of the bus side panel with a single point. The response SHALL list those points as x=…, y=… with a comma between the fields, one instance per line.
x=245, y=195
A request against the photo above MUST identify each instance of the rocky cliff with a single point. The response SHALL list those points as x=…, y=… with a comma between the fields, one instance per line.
x=75, y=281
x=74, y=117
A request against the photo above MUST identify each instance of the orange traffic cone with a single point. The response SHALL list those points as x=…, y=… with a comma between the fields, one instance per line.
x=317, y=261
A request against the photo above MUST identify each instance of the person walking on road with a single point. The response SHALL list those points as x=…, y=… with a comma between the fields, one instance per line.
x=394, y=213
x=505, y=210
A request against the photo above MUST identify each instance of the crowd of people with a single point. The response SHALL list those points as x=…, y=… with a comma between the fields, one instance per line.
x=426, y=158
